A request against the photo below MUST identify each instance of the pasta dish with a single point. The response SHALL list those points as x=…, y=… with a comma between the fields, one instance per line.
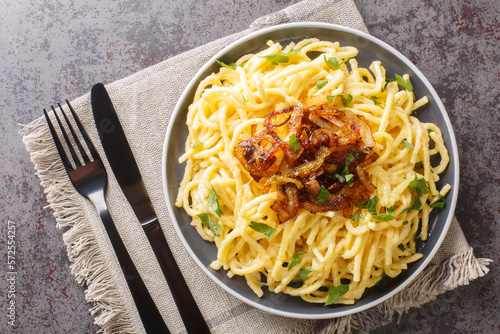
x=312, y=175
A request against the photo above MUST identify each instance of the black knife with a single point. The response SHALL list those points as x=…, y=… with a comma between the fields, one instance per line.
x=127, y=174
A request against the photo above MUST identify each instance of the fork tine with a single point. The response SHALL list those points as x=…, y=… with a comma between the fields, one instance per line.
x=71, y=149
x=89, y=144
x=75, y=137
x=60, y=149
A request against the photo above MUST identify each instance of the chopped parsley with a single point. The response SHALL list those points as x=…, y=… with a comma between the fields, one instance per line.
x=374, y=99
x=405, y=83
x=303, y=274
x=421, y=188
x=371, y=207
x=197, y=144
x=333, y=63
x=243, y=98
x=231, y=65
x=439, y=203
x=213, y=201
x=348, y=179
x=294, y=143
x=335, y=293
x=402, y=247
x=321, y=83
x=406, y=143
x=356, y=217
x=405, y=222
x=340, y=178
x=419, y=165
x=345, y=101
x=295, y=259
x=262, y=228
x=207, y=221
x=323, y=195
x=390, y=209
x=277, y=58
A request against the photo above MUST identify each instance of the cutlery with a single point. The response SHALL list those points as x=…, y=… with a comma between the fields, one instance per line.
x=90, y=180
x=127, y=174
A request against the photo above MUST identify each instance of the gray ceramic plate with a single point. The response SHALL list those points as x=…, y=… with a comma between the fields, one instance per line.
x=370, y=49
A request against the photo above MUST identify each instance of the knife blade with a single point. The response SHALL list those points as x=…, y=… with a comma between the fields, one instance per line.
x=126, y=171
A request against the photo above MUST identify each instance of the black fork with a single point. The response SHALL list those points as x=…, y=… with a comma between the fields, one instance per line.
x=90, y=180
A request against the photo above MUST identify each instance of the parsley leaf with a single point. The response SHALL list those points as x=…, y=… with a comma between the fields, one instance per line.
x=340, y=178
x=276, y=58
x=262, y=228
x=294, y=143
x=197, y=144
x=371, y=207
x=402, y=247
x=335, y=293
x=323, y=195
x=333, y=63
x=439, y=203
x=207, y=221
x=321, y=83
x=350, y=158
x=345, y=101
x=405, y=222
x=419, y=185
x=405, y=83
x=303, y=274
x=231, y=65
x=374, y=99
x=404, y=176
x=213, y=201
x=348, y=179
x=295, y=259
x=390, y=209
x=419, y=165
x=406, y=143
x=243, y=98
x=356, y=217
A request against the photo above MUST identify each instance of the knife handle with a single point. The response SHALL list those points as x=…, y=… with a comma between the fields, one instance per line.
x=188, y=309
x=151, y=318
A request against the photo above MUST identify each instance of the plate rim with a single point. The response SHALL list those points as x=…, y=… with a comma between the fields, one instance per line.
x=441, y=107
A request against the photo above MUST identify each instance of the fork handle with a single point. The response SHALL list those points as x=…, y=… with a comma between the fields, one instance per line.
x=150, y=316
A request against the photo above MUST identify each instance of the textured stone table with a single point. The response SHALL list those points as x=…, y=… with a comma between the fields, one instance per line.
x=51, y=50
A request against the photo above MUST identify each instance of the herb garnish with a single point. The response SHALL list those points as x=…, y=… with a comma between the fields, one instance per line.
x=231, y=65
x=402, y=247
x=321, y=83
x=323, y=195
x=262, y=228
x=198, y=143
x=333, y=63
x=276, y=58
x=356, y=217
x=405, y=83
x=419, y=165
x=295, y=259
x=439, y=203
x=335, y=293
x=294, y=143
x=213, y=201
x=421, y=188
x=374, y=99
x=345, y=101
x=207, y=221
x=371, y=207
x=406, y=143
x=303, y=274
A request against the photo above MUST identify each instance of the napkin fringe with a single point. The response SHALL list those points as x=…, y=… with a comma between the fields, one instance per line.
x=87, y=264
x=458, y=270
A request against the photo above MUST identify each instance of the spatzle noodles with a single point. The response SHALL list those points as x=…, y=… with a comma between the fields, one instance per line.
x=324, y=249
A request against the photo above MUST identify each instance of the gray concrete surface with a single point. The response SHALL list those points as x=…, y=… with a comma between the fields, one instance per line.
x=50, y=50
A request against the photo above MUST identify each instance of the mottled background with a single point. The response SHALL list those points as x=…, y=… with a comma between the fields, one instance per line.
x=51, y=50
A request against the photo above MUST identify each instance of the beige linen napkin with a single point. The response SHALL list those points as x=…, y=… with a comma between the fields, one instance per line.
x=144, y=103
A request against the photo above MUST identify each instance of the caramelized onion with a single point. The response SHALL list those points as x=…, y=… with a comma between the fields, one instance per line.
x=329, y=141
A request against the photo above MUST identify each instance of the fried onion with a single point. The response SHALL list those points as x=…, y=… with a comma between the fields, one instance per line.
x=332, y=149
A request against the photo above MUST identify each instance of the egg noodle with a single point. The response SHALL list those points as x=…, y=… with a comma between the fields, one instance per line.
x=313, y=253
